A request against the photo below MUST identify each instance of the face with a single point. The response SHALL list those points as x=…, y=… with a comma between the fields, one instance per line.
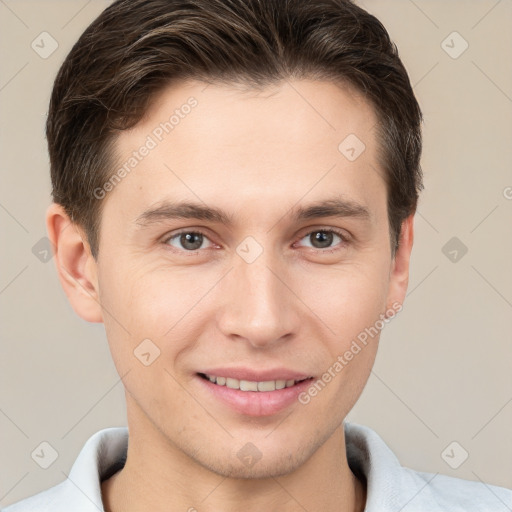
x=265, y=280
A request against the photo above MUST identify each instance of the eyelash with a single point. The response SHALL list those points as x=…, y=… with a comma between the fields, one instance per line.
x=344, y=240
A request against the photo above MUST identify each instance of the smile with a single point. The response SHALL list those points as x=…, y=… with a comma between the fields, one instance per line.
x=248, y=385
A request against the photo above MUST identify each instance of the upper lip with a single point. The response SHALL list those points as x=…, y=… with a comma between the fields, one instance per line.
x=256, y=375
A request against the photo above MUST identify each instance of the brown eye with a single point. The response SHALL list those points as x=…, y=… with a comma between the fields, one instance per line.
x=323, y=239
x=187, y=240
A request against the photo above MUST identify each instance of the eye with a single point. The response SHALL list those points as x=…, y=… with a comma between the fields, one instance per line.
x=188, y=240
x=322, y=239
x=193, y=241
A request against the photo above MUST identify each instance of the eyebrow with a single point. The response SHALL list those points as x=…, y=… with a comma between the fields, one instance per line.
x=169, y=210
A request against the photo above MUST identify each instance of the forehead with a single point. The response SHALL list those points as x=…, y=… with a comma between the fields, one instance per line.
x=221, y=143
x=288, y=112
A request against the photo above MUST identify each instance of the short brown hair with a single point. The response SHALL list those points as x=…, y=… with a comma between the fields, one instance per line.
x=136, y=48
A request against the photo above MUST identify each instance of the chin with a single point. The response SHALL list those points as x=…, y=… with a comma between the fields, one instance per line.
x=249, y=462
x=260, y=470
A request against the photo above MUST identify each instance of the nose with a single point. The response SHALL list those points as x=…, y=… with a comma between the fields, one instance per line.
x=259, y=305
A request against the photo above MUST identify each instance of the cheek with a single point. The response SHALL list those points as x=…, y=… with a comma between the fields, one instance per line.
x=162, y=304
x=159, y=304
x=347, y=299
x=350, y=345
x=147, y=330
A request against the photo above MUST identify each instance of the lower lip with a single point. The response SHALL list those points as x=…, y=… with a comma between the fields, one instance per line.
x=256, y=403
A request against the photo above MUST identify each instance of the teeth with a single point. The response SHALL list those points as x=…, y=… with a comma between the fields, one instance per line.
x=248, y=385
x=231, y=383
x=268, y=385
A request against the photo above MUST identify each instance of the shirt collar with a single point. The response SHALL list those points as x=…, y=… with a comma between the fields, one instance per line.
x=368, y=457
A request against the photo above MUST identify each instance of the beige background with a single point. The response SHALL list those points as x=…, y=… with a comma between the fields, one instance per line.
x=443, y=372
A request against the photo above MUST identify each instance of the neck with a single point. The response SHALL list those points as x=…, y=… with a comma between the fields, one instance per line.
x=159, y=476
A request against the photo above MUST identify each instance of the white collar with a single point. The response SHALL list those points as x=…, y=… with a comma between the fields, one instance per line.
x=390, y=486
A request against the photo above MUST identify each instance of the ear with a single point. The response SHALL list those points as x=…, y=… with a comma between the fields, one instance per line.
x=76, y=268
x=399, y=274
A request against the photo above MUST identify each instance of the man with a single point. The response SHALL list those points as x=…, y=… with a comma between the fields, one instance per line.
x=234, y=187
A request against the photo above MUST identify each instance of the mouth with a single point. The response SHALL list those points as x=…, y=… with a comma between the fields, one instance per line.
x=251, y=385
x=266, y=393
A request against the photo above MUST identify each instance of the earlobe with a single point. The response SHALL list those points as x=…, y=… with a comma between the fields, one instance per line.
x=76, y=268
x=399, y=274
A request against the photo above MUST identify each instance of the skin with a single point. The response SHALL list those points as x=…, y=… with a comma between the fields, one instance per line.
x=254, y=154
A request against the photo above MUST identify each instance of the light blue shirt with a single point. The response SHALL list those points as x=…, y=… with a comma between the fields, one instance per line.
x=390, y=486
